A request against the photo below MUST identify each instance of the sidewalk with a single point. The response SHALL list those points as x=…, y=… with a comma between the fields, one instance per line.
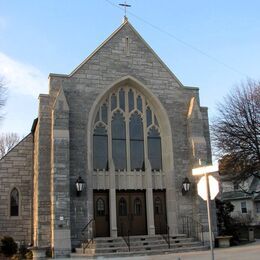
x=245, y=252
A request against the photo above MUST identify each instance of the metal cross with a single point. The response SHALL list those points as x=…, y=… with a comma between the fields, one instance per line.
x=125, y=5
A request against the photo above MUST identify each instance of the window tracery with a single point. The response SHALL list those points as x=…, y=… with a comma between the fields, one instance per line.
x=127, y=131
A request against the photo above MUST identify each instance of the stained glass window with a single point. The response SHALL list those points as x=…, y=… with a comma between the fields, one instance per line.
x=123, y=127
x=118, y=141
x=100, y=148
x=148, y=116
x=136, y=142
x=104, y=113
x=130, y=100
x=122, y=99
x=154, y=149
x=113, y=102
x=14, y=203
x=139, y=104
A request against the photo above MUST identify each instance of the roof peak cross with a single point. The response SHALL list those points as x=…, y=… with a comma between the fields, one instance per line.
x=125, y=5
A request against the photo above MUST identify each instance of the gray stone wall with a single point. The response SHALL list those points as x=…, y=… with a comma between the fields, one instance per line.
x=60, y=195
x=42, y=169
x=107, y=65
x=16, y=170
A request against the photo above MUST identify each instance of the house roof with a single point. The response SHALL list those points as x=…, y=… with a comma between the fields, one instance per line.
x=235, y=195
x=239, y=194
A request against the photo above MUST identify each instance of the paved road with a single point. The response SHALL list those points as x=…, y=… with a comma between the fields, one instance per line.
x=246, y=252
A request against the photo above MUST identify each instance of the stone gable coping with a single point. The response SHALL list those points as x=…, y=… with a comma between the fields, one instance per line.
x=106, y=41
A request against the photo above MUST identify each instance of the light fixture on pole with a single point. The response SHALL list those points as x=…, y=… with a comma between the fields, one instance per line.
x=207, y=189
x=185, y=186
x=79, y=185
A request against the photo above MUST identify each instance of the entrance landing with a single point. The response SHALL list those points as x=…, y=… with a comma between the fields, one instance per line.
x=139, y=245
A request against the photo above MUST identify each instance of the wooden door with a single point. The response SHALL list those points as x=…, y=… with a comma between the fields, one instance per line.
x=101, y=213
x=131, y=213
x=160, y=219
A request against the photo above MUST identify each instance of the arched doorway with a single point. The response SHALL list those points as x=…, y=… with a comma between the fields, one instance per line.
x=130, y=136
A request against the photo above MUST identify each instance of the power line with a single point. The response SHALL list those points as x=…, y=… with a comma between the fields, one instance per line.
x=181, y=41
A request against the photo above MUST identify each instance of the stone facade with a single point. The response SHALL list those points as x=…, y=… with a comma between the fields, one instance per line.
x=62, y=149
x=16, y=171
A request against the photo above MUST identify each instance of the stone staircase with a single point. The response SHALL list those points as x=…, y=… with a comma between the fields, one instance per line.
x=139, y=245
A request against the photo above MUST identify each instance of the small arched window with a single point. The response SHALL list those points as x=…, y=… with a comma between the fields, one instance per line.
x=137, y=207
x=14, y=203
x=100, y=206
x=122, y=207
x=158, y=206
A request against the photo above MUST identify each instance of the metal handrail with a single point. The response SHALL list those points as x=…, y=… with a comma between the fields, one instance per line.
x=85, y=233
x=165, y=236
x=192, y=228
x=126, y=237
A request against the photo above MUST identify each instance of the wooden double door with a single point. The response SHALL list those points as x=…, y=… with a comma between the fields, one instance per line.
x=131, y=213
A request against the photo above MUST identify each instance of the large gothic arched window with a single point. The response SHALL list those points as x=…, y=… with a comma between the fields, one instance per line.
x=126, y=130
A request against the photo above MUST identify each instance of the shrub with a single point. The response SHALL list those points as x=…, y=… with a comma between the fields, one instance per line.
x=8, y=247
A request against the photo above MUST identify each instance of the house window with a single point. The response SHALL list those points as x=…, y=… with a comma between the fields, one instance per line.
x=257, y=207
x=243, y=207
x=14, y=203
x=125, y=132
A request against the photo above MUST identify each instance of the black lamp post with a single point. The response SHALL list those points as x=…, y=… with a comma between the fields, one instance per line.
x=185, y=186
x=79, y=185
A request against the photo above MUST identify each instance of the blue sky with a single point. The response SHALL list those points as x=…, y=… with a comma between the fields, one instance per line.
x=54, y=36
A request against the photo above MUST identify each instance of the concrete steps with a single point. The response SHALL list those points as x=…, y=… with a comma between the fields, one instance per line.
x=139, y=245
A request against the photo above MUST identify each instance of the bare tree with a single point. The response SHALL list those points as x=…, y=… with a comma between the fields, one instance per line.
x=7, y=142
x=2, y=96
x=236, y=132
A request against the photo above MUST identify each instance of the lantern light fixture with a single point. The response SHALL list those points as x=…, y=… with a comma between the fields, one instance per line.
x=80, y=184
x=185, y=186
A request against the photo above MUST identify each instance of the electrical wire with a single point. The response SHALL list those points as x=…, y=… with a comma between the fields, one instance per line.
x=181, y=41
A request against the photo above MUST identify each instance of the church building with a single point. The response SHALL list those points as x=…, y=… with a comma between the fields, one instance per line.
x=114, y=144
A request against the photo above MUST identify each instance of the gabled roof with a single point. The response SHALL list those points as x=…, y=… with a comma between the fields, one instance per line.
x=126, y=23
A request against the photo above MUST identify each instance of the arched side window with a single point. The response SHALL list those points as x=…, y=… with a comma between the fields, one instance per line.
x=100, y=207
x=136, y=142
x=100, y=148
x=154, y=149
x=14, y=203
x=118, y=141
x=137, y=207
x=122, y=211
